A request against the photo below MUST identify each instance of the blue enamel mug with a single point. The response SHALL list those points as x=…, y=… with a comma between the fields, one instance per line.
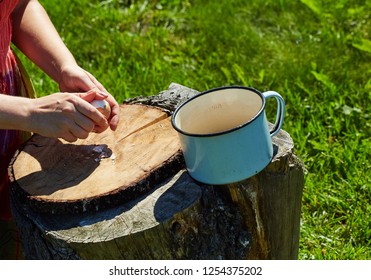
x=224, y=133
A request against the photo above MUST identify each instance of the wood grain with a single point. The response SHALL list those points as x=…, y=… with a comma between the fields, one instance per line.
x=52, y=171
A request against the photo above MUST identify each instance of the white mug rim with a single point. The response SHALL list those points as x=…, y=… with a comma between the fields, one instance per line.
x=260, y=111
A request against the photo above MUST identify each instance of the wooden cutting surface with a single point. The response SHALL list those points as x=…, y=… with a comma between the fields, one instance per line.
x=54, y=171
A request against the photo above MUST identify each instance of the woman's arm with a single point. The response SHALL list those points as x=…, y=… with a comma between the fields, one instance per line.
x=35, y=35
x=59, y=115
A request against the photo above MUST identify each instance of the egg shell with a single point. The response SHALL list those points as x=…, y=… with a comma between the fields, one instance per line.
x=102, y=106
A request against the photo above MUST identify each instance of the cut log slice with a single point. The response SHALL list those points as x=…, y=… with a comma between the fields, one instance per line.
x=105, y=169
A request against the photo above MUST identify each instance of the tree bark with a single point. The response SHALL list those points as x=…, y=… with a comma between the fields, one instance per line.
x=174, y=217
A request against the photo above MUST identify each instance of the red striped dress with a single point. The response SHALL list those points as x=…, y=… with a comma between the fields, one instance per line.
x=11, y=83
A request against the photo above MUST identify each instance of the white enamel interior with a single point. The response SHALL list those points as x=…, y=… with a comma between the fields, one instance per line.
x=218, y=111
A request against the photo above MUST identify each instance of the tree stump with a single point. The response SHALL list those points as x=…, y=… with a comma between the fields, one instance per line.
x=127, y=195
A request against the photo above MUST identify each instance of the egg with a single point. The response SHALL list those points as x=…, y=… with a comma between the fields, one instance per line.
x=103, y=107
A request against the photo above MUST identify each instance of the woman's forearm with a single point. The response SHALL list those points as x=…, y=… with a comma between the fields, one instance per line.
x=60, y=115
x=14, y=112
x=35, y=35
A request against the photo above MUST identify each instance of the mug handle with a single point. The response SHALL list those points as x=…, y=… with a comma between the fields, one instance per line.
x=280, y=110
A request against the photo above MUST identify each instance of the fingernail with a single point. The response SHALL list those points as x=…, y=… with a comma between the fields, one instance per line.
x=103, y=93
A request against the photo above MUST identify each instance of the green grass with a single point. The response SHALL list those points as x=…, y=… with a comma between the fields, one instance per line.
x=316, y=53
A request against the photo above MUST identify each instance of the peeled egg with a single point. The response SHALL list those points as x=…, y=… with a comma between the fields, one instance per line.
x=103, y=107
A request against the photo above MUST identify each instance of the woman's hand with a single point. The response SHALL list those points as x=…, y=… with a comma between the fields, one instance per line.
x=65, y=115
x=75, y=79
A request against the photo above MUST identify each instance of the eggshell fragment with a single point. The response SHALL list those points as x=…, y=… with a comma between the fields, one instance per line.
x=103, y=107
